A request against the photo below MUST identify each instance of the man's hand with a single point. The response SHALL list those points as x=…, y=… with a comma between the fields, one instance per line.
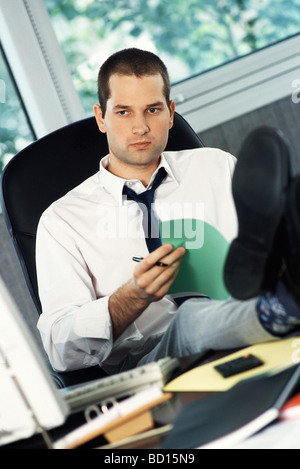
x=152, y=282
x=149, y=283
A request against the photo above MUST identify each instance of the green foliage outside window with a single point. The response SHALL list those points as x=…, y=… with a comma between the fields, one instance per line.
x=191, y=36
x=15, y=133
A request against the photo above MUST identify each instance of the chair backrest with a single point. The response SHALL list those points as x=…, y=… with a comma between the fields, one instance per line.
x=50, y=167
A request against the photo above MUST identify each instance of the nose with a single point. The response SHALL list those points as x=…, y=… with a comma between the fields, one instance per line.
x=140, y=125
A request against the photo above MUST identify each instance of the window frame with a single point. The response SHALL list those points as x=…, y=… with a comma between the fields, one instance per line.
x=38, y=65
x=241, y=86
x=206, y=100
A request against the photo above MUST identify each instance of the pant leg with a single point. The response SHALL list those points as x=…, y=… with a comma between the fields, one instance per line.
x=201, y=325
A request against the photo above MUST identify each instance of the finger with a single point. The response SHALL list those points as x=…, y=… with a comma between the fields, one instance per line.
x=174, y=256
x=156, y=278
x=153, y=258
x=148, y=267
x=161, y=285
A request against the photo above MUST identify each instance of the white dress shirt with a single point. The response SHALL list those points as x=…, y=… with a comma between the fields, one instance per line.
x=86, y=241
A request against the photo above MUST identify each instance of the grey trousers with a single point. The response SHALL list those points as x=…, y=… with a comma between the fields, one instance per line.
x=201, y=325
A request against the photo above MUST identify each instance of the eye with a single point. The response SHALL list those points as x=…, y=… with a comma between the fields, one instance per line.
x=123, y=113
x=153, y=110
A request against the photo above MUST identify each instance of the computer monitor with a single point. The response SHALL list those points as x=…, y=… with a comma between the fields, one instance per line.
x=29, y=400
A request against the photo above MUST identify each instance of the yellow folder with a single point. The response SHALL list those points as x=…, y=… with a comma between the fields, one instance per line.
x=276, y=354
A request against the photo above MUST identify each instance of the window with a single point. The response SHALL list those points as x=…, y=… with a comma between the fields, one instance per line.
x=191, y=36
x=15, y=129
x=225, y=57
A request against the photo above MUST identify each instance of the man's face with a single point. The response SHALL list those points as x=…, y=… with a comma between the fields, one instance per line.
x=137, y=121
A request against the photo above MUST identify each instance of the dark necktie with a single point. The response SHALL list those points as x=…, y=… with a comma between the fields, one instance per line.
x=145, y=200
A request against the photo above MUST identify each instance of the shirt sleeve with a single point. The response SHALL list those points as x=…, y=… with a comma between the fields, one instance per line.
x=75, y=325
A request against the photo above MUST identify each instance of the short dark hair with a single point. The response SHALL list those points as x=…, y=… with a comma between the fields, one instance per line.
x=131, y=62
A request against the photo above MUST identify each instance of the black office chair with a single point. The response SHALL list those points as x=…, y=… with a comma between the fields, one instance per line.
x=46, y=170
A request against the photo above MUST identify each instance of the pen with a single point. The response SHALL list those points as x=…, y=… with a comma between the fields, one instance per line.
x=139, y=259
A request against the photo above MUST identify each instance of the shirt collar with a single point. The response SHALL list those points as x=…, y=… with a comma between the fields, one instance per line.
x=114, y=184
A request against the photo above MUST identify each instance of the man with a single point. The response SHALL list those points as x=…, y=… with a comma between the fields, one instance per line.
x=99, y=307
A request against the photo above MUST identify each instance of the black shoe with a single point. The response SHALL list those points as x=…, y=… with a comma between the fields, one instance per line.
x=292, y=247
x=259, y=186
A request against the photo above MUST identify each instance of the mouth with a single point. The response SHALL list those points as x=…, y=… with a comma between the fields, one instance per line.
x=141, y=145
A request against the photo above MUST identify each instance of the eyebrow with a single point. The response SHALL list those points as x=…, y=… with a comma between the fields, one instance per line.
x=120, y=106
x=126, y=106
x=157, y=104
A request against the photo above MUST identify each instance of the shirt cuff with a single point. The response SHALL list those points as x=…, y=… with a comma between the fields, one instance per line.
x=96, y=323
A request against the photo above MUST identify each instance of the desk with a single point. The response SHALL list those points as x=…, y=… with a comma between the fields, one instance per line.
x=237, y=413
x=74, y=421
x=151, y=440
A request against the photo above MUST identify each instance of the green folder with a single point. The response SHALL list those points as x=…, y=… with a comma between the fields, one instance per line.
x=201, y=270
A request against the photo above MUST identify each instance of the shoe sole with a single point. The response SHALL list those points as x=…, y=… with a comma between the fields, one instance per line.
x=258, y=186
x=292, y=248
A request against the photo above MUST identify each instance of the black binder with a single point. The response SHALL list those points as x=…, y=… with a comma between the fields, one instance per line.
x=224, y=419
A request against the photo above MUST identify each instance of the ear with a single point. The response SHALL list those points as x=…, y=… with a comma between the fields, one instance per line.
x=172, y=111
x=99, y=118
